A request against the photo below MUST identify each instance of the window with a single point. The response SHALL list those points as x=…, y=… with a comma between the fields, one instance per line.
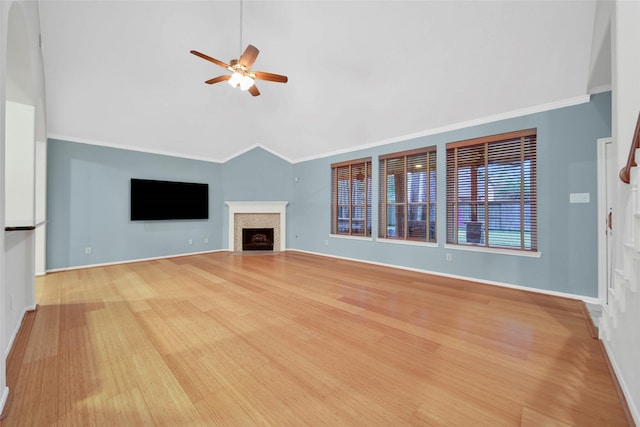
x=408, y=195
x=351, y=198
x=491, y=191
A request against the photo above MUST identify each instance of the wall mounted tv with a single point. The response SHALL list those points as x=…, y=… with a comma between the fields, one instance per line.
x=167, y=200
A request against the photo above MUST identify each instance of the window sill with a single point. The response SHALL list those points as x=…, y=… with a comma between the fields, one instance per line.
x=408, y=242
x=494, y=250
x=351, y=237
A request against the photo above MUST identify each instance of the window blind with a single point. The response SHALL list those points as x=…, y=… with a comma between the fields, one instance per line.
x=407, y=200
x=351, y=197
x=491, y=191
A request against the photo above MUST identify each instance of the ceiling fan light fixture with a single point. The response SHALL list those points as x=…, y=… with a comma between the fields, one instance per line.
x=241, y=76
x=235, y=79
x=246, y=82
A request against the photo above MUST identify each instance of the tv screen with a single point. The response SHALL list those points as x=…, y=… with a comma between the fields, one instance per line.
x=161, y=200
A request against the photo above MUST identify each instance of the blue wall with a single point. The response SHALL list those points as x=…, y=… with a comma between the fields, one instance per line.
x=88, y=201
x=257, y=175
x=567, y=236
x=88, y=204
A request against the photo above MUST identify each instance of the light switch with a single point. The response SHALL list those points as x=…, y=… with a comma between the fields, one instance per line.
x=579, y=198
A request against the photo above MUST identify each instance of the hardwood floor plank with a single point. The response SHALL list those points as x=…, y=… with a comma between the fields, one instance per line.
x=356, y=408
x=43, y=340
x=298, y=339
x=43, y=393
x=533, y=418
x=79, y=374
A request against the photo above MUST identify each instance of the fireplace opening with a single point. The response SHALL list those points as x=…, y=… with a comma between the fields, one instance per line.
x=257, y=239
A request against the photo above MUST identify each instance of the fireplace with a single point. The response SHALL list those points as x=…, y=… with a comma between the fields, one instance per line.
x=257, y=239
x=257, y=215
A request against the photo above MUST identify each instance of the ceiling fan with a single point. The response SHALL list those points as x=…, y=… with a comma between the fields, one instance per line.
x=241, y=74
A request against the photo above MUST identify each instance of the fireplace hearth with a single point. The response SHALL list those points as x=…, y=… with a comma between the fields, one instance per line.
x=257, y=239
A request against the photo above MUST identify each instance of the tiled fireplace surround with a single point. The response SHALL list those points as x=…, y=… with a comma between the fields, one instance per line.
x=257, y=215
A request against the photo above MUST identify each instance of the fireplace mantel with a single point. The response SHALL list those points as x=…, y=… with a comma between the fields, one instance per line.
x=257, y=208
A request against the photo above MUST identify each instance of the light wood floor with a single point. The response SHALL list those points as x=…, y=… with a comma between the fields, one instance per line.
x=294, y=339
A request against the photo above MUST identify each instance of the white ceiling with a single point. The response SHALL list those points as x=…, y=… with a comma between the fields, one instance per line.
x=361, y=73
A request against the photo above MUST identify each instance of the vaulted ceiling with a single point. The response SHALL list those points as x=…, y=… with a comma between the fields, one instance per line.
x=361, y=73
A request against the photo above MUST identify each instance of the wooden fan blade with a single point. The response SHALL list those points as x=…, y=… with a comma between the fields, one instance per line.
x=218, y=79
x=208, y=58
x=249, y=56
x=260, y=75
x=253, y=90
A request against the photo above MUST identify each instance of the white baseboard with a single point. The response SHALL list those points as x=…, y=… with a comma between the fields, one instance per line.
x=17, y=329
x=5, y=393
x=589, y=300
x=129, y=261
x=5, y=396
x=623, y=385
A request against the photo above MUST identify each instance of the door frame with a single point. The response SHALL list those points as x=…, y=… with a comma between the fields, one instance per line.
x=606, y=176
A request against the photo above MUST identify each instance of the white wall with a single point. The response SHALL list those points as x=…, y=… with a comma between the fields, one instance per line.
x=624, y=343
x=41, y=189
x=21, y=82
x=19, y=150
x=4, y=391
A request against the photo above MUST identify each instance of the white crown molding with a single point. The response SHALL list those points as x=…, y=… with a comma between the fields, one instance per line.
x=583, y=99
x=254, y=146
x=128, y=147
x=448, y=128
x=162, y=152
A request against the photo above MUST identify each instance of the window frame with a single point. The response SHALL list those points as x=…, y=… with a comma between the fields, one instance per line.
x=352, y=206
x=405, y=205
x=525, y=157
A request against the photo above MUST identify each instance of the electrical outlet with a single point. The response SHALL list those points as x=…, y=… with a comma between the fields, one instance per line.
x=206, y=240
x=449, y=257
x=191, y=241
x=87, y=250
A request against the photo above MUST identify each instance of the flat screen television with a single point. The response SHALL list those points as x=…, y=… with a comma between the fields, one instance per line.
x=153, y=200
